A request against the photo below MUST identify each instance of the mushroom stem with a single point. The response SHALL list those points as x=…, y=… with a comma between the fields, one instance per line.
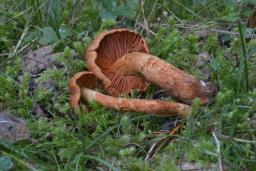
x=136, y=105
x=178, y=83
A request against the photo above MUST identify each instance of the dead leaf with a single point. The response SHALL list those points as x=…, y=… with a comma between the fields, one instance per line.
x=39, y=112
x=37, y=61
x=34, y=62
x=12, y=129
x=202, y=59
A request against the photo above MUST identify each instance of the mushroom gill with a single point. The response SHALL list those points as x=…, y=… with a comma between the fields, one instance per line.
x=105, y=50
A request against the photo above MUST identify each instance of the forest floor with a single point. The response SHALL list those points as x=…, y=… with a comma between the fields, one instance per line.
x=43, y=44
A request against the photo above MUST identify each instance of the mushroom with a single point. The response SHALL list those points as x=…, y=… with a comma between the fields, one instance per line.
x=107, y=48
x=81, y=88
x=120, y=59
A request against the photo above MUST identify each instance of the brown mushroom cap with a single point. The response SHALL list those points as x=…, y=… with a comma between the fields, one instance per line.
x=80, y=79
x=107, y=48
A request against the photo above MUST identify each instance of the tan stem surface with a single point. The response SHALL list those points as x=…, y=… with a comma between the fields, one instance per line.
x=179, y=84
x=136, y=105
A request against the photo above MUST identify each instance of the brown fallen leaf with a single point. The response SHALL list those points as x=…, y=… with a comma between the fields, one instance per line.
x=34, y=63
x=39, y=112
x=41, y=59
x=202, y=59
x=12, y=129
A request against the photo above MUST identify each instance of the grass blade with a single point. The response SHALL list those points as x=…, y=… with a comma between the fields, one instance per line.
x=244, y=55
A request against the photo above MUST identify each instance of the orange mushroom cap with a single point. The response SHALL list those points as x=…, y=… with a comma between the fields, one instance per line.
x=80, y=79
x=107, y=48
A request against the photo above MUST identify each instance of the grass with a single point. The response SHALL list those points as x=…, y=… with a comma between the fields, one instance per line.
x=244, y=56
x=220, y=134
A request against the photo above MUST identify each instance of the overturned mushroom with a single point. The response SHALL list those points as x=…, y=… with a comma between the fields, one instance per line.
x=119, y=54
x=82, y=83
x=105, y=50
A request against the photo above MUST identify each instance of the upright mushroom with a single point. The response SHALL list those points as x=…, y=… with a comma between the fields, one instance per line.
x=120, y=59
x=82, y=83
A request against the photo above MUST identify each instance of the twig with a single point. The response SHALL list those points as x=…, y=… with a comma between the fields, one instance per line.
x=24, y=33
x=165, y=140
x=206, y=28
x=186, y=8
x=23, y=12
x=225, y=137
x=4, y=54
x=147, y=29
x=196, y=27
x=151, y=12
x=20, y=40
x=151, y=154
x=170, y=11
x=150, y=151
x=218, y=151
x=145, y=22
x=138, y=16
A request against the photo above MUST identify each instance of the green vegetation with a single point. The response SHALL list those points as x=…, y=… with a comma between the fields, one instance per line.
x=223, y=132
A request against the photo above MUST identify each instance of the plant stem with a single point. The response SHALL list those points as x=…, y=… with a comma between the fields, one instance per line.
x=244, y=55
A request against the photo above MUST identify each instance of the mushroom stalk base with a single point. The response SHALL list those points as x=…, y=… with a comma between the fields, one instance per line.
x=136, y=105
x=178, y=83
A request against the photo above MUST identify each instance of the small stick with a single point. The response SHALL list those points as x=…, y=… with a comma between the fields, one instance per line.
x=225, y=137
x=218, y=151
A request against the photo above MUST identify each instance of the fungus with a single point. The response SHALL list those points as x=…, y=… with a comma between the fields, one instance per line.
x=81, y=88
x=107, y=48
x=120, y=59
x=80, y=79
